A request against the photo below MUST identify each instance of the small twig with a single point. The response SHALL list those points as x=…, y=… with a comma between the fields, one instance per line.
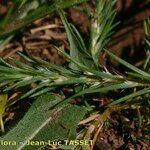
x=95, y=136
x=50, y=26
x=89, y=119
x=12, y=52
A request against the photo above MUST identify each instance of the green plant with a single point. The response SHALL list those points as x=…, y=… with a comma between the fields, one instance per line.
x=84, y=75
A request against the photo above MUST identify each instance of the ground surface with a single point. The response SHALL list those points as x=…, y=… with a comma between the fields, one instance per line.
x=127, y=42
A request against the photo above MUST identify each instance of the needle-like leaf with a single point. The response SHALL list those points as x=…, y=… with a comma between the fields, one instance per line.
x=101, y=27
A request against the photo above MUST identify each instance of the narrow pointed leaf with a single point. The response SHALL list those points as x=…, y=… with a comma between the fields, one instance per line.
x=130, y=96
x=126, y=64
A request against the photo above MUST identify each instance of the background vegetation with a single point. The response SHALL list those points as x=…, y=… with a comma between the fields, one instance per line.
x=81, y=96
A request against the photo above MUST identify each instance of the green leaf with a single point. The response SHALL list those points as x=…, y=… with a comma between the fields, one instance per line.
x=101, y=27
x=75, y=45
x=33, y=91
x=107, y=88
x=41, y=124
x=85, y=68
x=17, y=17
x=54, y=67
x=147, y=27
x=139, y=77
x=130, y=96
x=101, y=89
x=126, y=64
x=147, y=44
